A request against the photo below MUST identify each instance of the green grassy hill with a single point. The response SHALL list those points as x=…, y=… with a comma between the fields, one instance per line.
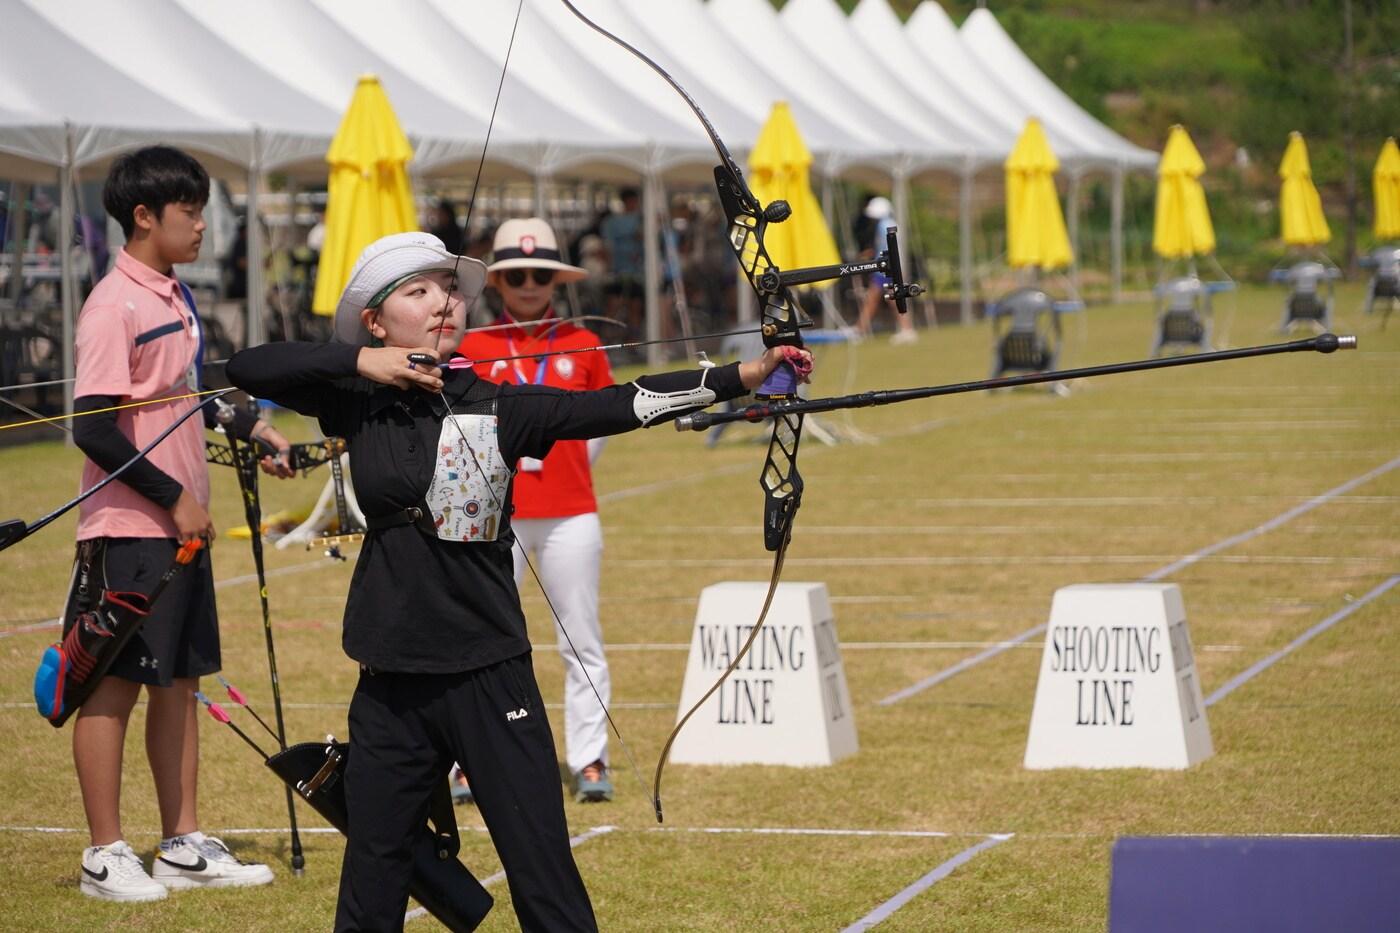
x=1240, y=75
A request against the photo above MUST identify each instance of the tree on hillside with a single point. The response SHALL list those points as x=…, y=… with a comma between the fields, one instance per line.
x=1331, y=70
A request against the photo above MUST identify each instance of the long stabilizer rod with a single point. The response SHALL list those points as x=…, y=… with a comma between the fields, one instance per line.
x=759, y=411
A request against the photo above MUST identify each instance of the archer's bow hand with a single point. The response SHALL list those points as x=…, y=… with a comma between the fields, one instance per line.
x=753, y=372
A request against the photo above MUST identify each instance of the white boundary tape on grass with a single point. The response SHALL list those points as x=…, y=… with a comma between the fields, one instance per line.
x=884, y=911
x=1260, y=666
x=574, y=843
x=1175, y=566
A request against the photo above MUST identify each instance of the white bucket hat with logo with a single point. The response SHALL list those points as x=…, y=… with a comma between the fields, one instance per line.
x=529, y=243
x=386, y=264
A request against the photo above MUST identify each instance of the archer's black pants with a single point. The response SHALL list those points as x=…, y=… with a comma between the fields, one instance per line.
x=406, y=730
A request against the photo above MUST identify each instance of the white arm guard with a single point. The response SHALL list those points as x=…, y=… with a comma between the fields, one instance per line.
x=649, y=405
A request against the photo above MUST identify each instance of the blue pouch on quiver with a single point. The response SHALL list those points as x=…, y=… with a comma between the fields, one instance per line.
x=48, y=682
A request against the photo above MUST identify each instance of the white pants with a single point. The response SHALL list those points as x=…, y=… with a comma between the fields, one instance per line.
x=567, y=553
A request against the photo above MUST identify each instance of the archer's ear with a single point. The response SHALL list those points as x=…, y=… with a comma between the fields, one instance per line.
x=369, y=317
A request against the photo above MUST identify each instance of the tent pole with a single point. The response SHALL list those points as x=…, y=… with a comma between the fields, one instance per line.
x=965, y=246
x=651, y=267
x=901, y=214
x=255, y=335
x=67, y=288
x=541, y=193
x=1116, y=236
x=829, y=200
x=1072, y=197
x=18, y=231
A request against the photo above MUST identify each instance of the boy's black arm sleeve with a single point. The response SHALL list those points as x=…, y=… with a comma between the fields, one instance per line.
x=297, y=375
x=98, y=436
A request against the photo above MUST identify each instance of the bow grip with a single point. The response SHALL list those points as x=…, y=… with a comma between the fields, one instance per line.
x=781, y=383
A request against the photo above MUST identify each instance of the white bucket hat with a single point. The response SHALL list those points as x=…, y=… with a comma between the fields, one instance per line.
x=878, y=208
x=391, y=260
x=530, y=244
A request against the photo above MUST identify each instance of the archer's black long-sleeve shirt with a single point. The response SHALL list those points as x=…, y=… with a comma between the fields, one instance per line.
x=419, y=604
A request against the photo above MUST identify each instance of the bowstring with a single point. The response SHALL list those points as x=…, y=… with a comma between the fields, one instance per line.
x=448, y=415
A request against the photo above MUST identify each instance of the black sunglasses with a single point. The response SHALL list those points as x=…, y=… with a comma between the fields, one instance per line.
x=516, y=277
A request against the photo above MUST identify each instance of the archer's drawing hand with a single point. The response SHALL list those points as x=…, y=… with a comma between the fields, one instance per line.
x=390, y=366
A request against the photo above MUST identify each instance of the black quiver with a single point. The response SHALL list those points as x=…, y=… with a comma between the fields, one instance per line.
x=441, y=883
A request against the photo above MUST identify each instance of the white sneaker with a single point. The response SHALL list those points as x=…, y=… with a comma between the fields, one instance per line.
x=114, y=873
x=205, y=864
x=902, y=337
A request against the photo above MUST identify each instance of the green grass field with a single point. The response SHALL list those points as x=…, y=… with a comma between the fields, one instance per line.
x=950, y=532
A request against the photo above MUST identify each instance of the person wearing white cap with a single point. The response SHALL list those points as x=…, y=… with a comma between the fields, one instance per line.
x=433, y=615
x=556, y=513
x=880, y=210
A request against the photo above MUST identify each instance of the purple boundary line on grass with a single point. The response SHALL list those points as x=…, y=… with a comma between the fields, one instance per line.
x=1260, y=666
x=936, y=679
x=884, y=911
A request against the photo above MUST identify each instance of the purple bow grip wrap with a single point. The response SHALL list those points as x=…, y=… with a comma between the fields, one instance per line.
x=781, y=383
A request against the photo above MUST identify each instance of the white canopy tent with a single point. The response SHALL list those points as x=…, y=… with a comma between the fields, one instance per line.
x=84, y=102
x=32, y=145
x=294, y=129
x=469, y=80
x=1022, y=81
x=953, y=86
x=260, y=85
x=690, y=43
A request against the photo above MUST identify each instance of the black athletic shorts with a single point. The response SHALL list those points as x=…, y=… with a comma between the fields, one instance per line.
x=180, y=638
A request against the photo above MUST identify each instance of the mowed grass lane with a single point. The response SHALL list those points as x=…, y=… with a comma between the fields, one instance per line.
x=948, y=534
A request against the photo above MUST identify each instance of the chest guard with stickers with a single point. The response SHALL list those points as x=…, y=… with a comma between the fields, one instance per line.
x=467, y=494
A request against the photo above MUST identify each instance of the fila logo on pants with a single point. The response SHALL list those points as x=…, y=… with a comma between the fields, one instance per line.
x=513, y=715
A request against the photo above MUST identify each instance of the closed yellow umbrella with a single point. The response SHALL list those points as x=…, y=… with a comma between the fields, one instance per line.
x=369, y=195
x=1300, y=206
x=779, y=170
x=1181, y=226
x=1386, y=184
x=1035, y=228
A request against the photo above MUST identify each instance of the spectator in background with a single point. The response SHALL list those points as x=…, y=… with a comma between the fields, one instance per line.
x=442, y=223
x=881, y=211
x=236, y=264
x=622, y=233
x=555, y=512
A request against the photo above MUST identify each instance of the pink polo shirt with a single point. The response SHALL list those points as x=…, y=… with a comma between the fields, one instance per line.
x=137, y=340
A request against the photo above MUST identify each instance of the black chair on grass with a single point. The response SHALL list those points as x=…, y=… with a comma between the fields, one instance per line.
x=1310, y=295
x=1183, y=315
x=1385, y=281
x=1026, y=332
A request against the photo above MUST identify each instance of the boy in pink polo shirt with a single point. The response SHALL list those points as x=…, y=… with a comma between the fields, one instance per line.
x=139, y=340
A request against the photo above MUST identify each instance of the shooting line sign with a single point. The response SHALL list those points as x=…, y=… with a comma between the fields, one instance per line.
x=1118, y=685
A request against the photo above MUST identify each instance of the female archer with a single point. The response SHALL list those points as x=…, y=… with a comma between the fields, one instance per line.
x=433, y=615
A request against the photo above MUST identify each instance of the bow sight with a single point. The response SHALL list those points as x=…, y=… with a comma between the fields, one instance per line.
x=886, y=264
